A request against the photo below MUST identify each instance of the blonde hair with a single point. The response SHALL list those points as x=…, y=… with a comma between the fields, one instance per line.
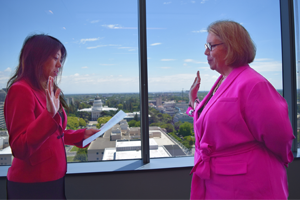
x=240, y=47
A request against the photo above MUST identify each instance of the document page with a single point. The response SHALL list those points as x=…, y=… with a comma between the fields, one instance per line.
x=113, y=121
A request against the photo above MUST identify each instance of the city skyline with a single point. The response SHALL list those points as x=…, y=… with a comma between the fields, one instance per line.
x=101, y=38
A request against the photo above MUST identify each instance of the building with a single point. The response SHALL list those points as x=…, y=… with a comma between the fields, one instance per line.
x=4, y=142
x=183, y=117
x=3, y=94
x=6, y=156
x=69, y=100
x=123, y=142
x=132, y=150
x=96, y=109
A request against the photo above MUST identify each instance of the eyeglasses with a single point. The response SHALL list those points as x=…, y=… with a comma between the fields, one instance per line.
x=209, y=46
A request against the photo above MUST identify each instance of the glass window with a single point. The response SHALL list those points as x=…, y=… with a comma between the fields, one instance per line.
x=176, y=34
x=101, y=74
x=297, y=45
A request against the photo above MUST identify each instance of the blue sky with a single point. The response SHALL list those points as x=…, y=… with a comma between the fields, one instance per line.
x=101, y=38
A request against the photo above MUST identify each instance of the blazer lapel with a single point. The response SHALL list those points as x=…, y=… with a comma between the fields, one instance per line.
x=40, y=97
x=223, y=87
x=202, y=103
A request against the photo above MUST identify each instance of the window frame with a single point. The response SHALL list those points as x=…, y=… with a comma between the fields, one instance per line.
x=289, y=93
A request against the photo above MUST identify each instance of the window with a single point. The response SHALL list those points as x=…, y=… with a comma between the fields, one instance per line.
x=101, y=38
x=176, y=34
x=297, y=46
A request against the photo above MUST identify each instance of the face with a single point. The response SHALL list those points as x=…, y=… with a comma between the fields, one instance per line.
x=216, y=57
x=52, y=65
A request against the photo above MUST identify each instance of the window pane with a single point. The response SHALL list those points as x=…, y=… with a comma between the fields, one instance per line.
x=100, y=74
x=296, y=8
x=176, y=34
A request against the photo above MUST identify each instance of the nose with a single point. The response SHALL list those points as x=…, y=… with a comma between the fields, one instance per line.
x=58, y=65
x=206, y=52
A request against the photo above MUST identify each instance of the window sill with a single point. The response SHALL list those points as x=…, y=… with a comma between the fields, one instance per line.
x=123, y=165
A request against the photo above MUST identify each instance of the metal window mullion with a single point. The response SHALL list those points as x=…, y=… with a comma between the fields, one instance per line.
x=289, y=62
x=143, y=81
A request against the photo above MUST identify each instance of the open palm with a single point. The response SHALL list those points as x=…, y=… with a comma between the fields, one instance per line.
x=52, y=99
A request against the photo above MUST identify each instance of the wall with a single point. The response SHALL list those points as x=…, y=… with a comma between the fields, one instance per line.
x=150, y=184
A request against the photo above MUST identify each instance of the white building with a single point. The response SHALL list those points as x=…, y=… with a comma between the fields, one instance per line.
x=96, y=109
x=132, y=150
x=6, y=156
x=4, y=142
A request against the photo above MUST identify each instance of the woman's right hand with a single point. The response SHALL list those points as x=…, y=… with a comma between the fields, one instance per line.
x=194, y=90
x=52, y=99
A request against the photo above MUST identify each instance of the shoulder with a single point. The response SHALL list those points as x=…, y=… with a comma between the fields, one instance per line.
x=22, y=86
x=249, y=78
x=20, y=89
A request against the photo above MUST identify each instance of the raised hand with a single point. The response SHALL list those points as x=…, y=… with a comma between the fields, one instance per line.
x=194, y=90
x=52, y=99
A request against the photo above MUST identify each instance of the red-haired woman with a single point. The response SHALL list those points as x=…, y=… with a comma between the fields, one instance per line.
x=36, y=122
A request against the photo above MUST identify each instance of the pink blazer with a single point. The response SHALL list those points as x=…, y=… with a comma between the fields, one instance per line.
x=37, y=140
x=243, y=140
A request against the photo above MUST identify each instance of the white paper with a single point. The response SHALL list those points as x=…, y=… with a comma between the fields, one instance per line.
x=113, y=121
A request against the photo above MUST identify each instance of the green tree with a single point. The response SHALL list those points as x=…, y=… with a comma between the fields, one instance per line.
x=137, y=124
x=177, y=125
x=102, y=120
x=120, y=106
x=185, y=129
x=72, y=123
x=168, y=127
x=136, y=117
x=82, y=122
x=131, y=123
x=81, y=155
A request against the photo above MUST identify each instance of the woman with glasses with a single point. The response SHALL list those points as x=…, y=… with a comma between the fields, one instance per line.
x=242, y=130
x=36, y=122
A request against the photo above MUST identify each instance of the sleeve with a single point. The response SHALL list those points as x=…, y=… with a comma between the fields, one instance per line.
x=73, y=137
x=190, y=111
x=27, y=129
x=266, y=115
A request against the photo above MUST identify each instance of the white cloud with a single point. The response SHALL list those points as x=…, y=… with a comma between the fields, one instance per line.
x=200, y=31
x=266, y=65
x=168, y=59
x=85, y=67
x=194, y=61
x=203, y=1
x=128, y=48
x=166, y=3
x=83, y=41
x=50, y=11
x=95, y=21
x=103, y=45
x=76, y=74
x=154, y=44
x=98, y=83
x=261, y=59
x=117, y=26
x=8, y=69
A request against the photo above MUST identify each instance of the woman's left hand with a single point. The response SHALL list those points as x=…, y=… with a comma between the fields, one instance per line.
x=89, y=132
